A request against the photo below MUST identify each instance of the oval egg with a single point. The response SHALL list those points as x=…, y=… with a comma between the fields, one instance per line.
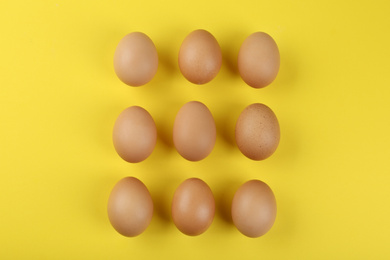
x=193, y=207
x=135, y=59
x=130, y=207
x=135, y=134
x=200, y=57
x=258, y=60
x=254, y=208
x=257, y=132
x=194, y=131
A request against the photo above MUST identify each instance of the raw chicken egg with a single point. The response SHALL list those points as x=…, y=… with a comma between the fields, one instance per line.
x=254, y=208
x=200, y=57
x=130, y=207
x=193, y=207
x=194, y=131
x=135, y=59
x=257, y=132
x=258, y=60
x=134, y=134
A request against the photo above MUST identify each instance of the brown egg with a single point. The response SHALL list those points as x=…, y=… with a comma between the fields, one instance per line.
x=258, y=60
x=194, y=131
x=130, y=207
x=254, y=208
x=257, y=132
x=200, y=57
x=193, y=207
x=135, y=59
x=134, y=134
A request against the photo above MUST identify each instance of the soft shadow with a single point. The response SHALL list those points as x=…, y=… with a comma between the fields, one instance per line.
x=230, y=46
x=160, y=207
x=165, y=72
x=224, y=197
x=289, y=70
x=285, y=227
x=226, y=121
x=162, y=193
x=289, y=149
x=167, y=62
x=167, y=46
x=165, y=120
x=165, y=136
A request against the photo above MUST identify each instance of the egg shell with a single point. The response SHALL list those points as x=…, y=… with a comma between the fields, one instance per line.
x=134, y=134
x=200, y=57
x=193, y=207
x=257, y=132
x=254, y=208
x=135, y=59
x=130, y=207
x=194, y=131
x=258, y=60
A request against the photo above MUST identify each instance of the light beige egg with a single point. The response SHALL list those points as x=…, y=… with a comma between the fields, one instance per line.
x=130, y=207
x=135, y=59
x=257, y=132
x=193, y=207
x=134, y=134
x=194, y=131
x=254, y=208
x=258, y=60
x=200, y=57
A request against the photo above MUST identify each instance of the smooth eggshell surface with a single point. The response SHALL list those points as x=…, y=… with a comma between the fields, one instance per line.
x=193, y=207
x=130, y=207
x=258, y=60
x=194, y=131
x=135, y=59
x=254, y=208
x=200, y=57
x=257, y=132
x=134, y=134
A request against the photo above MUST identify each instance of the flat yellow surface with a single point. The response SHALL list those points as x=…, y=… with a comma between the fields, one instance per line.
x=59, y=98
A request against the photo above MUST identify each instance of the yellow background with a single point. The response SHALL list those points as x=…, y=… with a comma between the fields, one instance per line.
x=59, y=99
